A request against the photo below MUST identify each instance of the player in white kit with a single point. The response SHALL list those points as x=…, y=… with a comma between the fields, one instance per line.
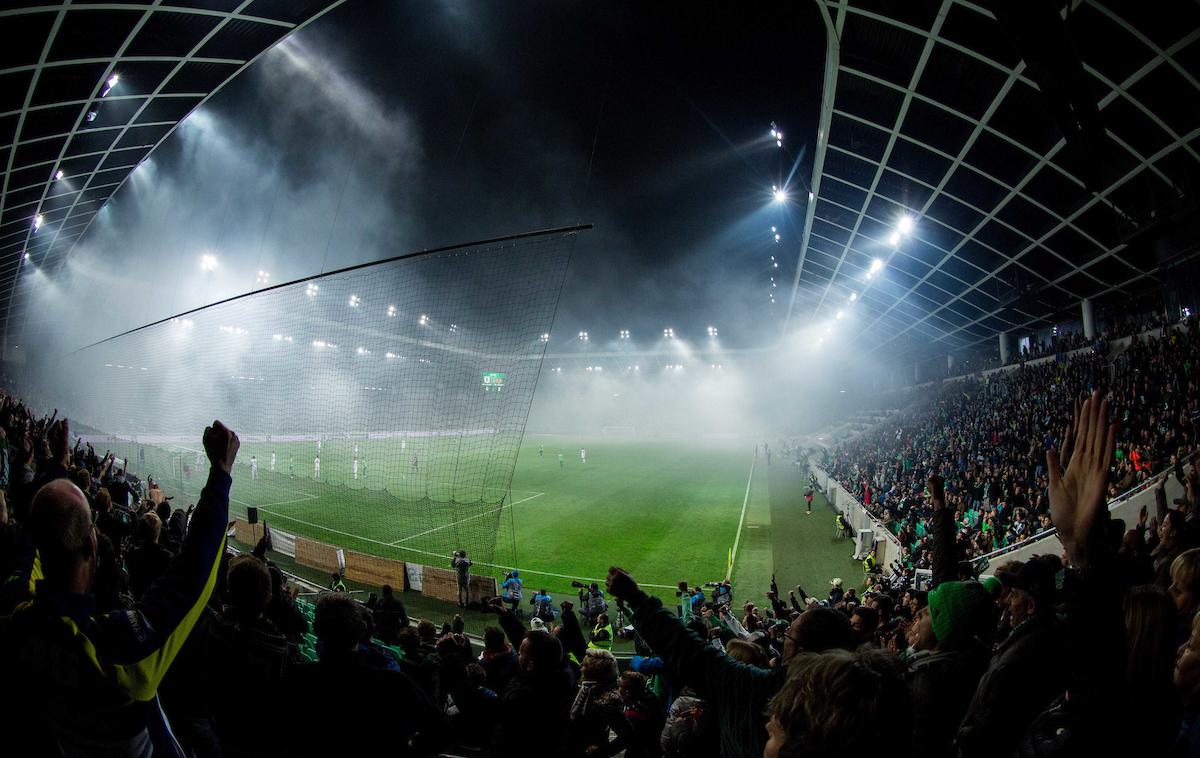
x=317, y=467
x=253, y=467
x=356, y=469
x=272, y=460
x=582, y=455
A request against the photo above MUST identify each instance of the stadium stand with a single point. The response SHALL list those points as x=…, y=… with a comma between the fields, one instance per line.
x=95, y=657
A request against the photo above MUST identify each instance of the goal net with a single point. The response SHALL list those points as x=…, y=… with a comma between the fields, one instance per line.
x=379, y=408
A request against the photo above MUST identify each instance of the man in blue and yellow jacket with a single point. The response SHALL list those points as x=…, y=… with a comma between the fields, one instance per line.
x=79, y=683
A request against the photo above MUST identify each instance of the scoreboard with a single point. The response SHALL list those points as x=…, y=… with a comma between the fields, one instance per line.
x=493, y=381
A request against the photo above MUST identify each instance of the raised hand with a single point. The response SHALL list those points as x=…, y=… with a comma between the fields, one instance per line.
x=1077, y=495
x=620, y=584
x=937, y=491
x=221, y=444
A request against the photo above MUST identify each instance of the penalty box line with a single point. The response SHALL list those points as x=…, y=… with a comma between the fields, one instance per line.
x=418, y=551
x=463, y=521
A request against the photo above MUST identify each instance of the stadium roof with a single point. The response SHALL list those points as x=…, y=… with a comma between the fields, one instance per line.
x=62, y=111
x=1044, y=151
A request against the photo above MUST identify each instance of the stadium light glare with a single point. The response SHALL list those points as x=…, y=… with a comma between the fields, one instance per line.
x=778, y=193
x=26, y=256
x=391, y=311
x=853, y=296
x=777, y=237
x=773, y=230
x=669, y=333
x=312, y=289
x=894, y=239
x=624, y=334
x=354, y=301
x=38, y=220
x=583, y=336
x=712, y=331
x=110, y=83
x=545, y=337
x=362, y=351
x=58, y=175
x=208, y=262
x=839, y=315
x=424, y=320
x=905, y=224
x=454, y=328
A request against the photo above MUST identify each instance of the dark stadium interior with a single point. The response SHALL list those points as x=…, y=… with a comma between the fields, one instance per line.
x=475, y=379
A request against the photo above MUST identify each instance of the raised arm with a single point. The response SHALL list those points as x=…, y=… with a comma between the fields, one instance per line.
x=1095, y=624
x=690, y=659
x=152, y=633
x=945, y=550
x=571, y=634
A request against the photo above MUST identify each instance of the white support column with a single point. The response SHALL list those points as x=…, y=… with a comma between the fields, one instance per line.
x=949, y=362
x=1088, y=317
x=1005, y=347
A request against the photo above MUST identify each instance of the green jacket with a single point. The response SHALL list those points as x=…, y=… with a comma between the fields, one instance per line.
x=737, y=691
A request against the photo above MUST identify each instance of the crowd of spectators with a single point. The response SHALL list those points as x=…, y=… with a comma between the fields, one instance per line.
x=988, y=438
x=128, y=628
x=1059, y=343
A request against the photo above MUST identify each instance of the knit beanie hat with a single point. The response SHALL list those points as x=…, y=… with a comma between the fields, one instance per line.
x=992, y=585
x=959, y=611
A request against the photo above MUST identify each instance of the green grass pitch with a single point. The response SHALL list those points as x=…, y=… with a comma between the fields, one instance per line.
x=665, y=509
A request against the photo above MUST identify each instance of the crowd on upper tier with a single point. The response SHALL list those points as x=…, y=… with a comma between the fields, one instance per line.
x=127, y=626
x=988, y=438
x=1058, y=343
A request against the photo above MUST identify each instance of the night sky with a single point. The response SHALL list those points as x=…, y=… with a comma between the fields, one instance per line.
x=492, y=111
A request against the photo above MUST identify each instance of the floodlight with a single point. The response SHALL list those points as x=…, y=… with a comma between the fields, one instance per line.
x=894, y=239
x=26, y=256
x=208, y=262
x=776, y=236
x=839, y=315
x=712, y=331
x=38, y=220
x=312, y=289
x=454, y=328
x=583, y=336
x=110, y=83
x=424, y=320
x=354, y=301
x=778, y=193
x=545, y=337
x=58, y=174
x=773, y=230
x=91, y=116
x=391, y=311
x=853, y=296
x=905, y=224
x=362, y=351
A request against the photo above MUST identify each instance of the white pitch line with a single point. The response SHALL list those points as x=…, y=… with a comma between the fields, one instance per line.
x=446, y=557
x=456, y=523
x=742, y=519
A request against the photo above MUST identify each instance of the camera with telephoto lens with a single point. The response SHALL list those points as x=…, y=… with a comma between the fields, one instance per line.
x=579, y=585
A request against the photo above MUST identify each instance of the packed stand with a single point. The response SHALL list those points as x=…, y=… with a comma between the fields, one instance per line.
x=988, y=438
x=187, y=649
